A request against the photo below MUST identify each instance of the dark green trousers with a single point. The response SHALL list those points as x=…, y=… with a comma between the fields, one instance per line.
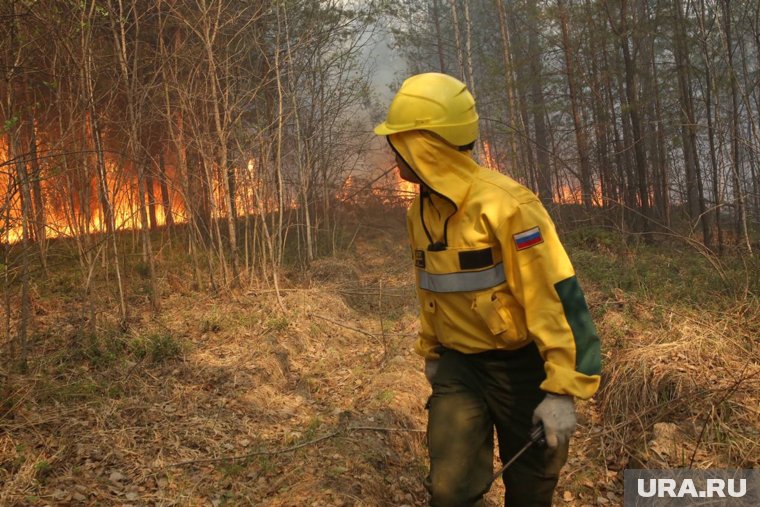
x=472, y=395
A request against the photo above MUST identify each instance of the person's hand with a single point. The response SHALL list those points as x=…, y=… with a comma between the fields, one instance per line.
x=557, y=414
x=431, y=366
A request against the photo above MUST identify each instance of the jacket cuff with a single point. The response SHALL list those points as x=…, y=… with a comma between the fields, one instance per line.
x=560, y=380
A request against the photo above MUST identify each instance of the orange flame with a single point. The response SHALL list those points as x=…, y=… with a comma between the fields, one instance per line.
x=489, y=160
x=567, y=194
x=406, y=188
x=389, y=190
x=65, y=213
x=392, y=190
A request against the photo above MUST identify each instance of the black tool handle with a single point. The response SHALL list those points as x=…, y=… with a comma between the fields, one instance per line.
x=537, y=435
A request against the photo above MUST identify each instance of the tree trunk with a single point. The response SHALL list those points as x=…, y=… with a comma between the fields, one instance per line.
x=102, y=177
x=468, y=47
x=210, y=32
x=130, y=79
x=438, y=39
x=695, y=193
x=22, y=180
x=631, y=95
x=516, y=157
x=710, y=127
x=150, y=193
x=457, y=38
x=650, y=98
x=575, y=106
x=753, y=139
x=522, y=76
x=538, y=107
x=602, y=126
x=662, y=182
x=735, y=154
x=39, y=222
x=279, y=232
x=166, y=201
x=626, y=177
x=175, y=125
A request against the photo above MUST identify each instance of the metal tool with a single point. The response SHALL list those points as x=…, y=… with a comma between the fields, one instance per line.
x=536, y=437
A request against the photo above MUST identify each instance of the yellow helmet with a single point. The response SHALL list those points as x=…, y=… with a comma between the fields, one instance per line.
x=435, y=102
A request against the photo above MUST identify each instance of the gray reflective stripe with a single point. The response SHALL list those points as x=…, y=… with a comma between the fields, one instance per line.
x=464, y=281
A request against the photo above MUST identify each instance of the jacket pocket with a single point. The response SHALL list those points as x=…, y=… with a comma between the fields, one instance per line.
x=497, y=315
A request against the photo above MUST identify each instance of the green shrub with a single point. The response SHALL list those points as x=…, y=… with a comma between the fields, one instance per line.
x=277, y=324
x=42, y=469
x=211, y=324
x=157, y=348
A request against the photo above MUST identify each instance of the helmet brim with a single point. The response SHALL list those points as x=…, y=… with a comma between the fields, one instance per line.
x=456, y=135
x=384, y=130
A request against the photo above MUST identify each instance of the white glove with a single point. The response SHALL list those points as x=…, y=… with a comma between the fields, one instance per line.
x=431, y=366
x=557, y=413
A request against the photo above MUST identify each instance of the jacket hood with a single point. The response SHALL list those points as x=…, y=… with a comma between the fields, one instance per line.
x=440, y=166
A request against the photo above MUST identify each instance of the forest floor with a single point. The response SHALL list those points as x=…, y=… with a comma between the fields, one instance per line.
x=229, y=400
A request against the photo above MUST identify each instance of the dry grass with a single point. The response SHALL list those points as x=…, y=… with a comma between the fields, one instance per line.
x=697, y=370
x=250, y=381
x=235, y=414
x=226, y=400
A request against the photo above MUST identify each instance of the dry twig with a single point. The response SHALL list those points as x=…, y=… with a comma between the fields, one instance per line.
x=293, y=447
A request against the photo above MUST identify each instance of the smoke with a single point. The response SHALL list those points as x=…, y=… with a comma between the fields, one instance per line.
x=388, y=65
x=387, y=69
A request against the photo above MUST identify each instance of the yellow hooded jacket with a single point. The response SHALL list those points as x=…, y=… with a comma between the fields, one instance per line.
x=491, y=271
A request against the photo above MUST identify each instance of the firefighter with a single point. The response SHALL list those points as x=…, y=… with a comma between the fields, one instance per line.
x=506, y=334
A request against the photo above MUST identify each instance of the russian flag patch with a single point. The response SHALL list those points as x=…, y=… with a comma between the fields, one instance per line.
x=529, y=238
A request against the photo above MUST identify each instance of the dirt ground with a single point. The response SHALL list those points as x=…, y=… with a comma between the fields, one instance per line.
x=235, y=402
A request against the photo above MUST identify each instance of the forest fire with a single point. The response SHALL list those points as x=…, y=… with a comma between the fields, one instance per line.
x=393, y=190
x=208, y=291
x=70, y=205
x=72, y=211
x=572, y=194
x=65, y=224
x=389, y=188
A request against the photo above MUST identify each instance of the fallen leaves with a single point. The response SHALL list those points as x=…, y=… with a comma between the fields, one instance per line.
x=116, y=477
